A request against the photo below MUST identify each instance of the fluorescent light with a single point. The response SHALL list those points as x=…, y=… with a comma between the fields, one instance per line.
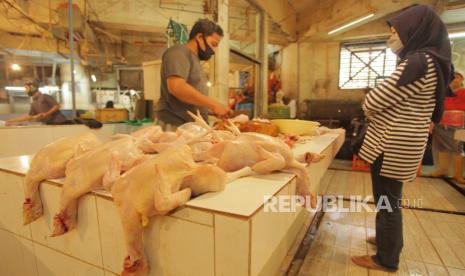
x=15, y=67
x=209, y=84
x=48, y=89
x=45, y=89
x=94, y=78
x=15, y=88
x=351, y=23
x=457, y=35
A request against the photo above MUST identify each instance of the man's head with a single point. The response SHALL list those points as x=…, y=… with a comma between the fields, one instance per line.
x=457, y=82
x=31, y=88
x=207, y=35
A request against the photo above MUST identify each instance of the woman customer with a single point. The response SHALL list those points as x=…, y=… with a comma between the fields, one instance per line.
x=400, y=110
x=443, y=133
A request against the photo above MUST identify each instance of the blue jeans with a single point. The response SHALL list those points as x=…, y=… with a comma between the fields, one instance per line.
x=389, y=237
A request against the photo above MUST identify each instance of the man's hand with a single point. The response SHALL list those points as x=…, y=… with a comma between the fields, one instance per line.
x=42, y=116
x=222, y=111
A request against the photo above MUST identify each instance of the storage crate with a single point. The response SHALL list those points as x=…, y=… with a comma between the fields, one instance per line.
x=106, y=115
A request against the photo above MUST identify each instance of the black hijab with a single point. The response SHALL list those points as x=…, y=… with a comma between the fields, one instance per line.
x=422, y=31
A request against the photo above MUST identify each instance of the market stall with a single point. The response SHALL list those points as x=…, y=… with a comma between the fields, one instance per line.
x=223, y=233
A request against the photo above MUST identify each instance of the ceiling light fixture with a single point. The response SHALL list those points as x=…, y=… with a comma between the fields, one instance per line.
x=351, y=24
x=457, y=35
x=15, y=88
x=15, y=67
x=94, y=78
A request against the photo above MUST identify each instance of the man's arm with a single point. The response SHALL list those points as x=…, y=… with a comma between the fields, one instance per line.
x=179, y=88
x=19, y=119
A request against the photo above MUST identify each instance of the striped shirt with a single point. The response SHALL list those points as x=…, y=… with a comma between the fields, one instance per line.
x=399, y=122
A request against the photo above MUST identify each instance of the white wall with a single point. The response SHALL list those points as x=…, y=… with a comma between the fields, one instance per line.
x=318, y=66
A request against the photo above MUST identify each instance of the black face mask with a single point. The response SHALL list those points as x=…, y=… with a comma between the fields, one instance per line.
x=207, y=53
x=31, y=91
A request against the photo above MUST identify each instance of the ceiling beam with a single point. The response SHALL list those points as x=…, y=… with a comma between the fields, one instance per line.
x=455, y=5
x=133, y=27
x=331, y=14
x=250, y=37
x=281, y=13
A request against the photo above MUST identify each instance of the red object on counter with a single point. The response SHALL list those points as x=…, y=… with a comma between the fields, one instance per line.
x=454, y=118
x=457, y=102
x=454, y=108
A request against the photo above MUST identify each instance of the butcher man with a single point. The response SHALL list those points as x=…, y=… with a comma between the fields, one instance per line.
x=184, y=83
x=44, y=107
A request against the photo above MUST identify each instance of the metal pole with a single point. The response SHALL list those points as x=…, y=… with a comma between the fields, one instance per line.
x=71, y=51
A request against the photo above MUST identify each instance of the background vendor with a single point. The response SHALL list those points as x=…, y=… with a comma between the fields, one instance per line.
x=44, y=108
x=443, y=133
x=183, y=81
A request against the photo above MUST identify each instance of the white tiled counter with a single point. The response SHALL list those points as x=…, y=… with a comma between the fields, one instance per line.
x=225, y=233
x=19, y=140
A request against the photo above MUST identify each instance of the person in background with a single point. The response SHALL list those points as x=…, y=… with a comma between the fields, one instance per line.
x=443, y=133
x=109, y=104
x=184, y=83
x=290, y=101
x=400, y=110
x=44, y=107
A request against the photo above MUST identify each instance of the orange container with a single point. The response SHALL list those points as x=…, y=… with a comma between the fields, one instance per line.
x=359, y=164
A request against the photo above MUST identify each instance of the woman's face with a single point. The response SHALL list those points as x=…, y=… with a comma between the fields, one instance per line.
x=394, y=42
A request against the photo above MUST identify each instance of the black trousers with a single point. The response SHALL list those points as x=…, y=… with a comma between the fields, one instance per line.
x=387, y=193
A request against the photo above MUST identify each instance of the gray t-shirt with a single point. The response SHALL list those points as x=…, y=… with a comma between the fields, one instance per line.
x=42, y=103
x=180, y=61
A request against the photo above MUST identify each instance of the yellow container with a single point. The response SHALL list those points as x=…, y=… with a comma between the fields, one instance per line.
x=106, y=115
x=298, y=127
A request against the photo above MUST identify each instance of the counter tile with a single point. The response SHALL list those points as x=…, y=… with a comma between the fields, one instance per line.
x=51, y=262
x=12, y=198
x=17, y=255
x=167, y=245
x=232, y=246
x=83, y=242
x=111, y=235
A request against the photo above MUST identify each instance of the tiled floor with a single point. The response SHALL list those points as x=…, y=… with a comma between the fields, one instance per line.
x=434, y=242
x=424, y=192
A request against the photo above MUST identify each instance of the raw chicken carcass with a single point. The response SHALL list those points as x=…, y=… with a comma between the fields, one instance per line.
x=91, y=171
x=250, y=126
x=156, y=187
x=185, y=134
x=50, y=163
x=263, y=153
